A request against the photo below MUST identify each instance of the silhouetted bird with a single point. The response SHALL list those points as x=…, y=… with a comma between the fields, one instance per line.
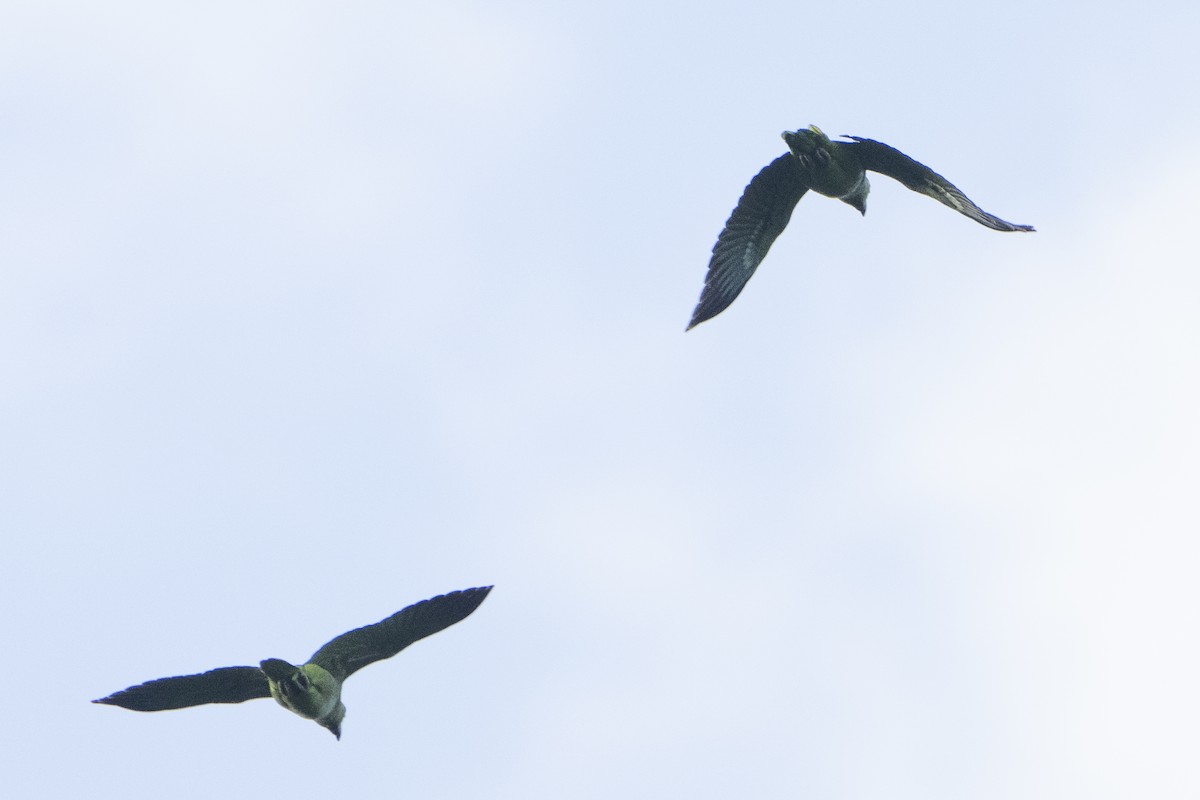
x=313, y=690
x=834, y=169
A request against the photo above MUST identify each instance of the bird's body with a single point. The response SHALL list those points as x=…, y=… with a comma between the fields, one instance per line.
x=827, y=167
x=308, y=690
x=834, y=169
x=312, y=690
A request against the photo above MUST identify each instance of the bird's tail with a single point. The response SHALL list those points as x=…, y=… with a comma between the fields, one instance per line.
x=277, y=669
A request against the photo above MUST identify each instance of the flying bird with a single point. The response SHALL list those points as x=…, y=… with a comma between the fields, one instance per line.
x=834, y=169
x=312, y=690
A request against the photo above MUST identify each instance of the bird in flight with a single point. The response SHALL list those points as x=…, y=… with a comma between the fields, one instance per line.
x=312, y=690
x=834, y=169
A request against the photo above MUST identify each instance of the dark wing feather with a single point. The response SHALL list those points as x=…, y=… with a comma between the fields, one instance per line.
x=350, y=652
x=224, y=685
x=756, y=222
x=886, y=160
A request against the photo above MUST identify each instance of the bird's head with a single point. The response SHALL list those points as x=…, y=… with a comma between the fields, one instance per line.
x=858, y=196
x=333, y=722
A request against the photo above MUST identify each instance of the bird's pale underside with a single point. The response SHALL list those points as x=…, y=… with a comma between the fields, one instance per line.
x=834, y=169
x=312, y=690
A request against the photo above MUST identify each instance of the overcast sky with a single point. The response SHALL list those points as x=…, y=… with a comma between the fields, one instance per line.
x=312, y=310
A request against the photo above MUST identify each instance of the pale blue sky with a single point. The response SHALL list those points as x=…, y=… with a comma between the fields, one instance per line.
x=309, y=311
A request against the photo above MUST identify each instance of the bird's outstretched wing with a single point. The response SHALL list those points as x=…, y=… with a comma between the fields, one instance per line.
x=887, y=160
x=350, y=652
x=224, y=685
x=756, y=222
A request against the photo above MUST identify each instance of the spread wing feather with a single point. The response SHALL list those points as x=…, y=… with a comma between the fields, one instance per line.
x=887, y=160
x=346, y=654
x=756, y=222
x=224, y=685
